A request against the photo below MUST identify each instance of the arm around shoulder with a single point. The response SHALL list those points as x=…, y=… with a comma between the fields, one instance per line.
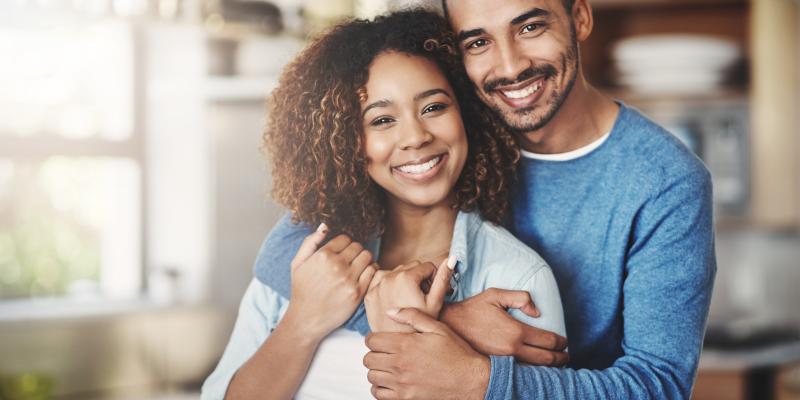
x=670, y=272
x=543, y=289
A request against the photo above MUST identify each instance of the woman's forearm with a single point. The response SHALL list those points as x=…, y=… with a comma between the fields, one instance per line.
x=279, y=366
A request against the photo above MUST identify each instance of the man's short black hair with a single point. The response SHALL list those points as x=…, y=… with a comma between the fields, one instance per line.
x=567, y=5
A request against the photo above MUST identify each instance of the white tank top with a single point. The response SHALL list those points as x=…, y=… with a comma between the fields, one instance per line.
x=337, y=370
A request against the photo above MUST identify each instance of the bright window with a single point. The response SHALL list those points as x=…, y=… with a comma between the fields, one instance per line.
x=70, y=159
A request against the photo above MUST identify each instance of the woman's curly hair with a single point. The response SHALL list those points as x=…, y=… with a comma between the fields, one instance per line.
x=314, y=133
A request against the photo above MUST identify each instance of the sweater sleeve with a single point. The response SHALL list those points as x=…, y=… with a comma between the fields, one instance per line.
x=670, y=272
x=273, y=265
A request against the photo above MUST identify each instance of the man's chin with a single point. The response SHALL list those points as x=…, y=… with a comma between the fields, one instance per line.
x=522, y=120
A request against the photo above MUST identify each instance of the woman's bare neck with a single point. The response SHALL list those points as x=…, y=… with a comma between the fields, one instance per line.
x=416, y=234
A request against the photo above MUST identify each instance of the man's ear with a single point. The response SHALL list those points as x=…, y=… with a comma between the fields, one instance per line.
x=582, y=19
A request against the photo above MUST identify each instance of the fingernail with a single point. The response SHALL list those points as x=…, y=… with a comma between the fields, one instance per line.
x=322, y=228
x=451, y=262
x=392, y=312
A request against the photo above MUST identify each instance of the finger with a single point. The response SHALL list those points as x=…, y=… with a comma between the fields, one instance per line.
x=441, y=282
x=310, y=244
x=379, y=361
x=381, y=378
x=407, y=266
x=543, y=339
x=338, y=243
x=536, y=356
x=360, y=263
x=365, y=280
x=385, y=342
x=376, y=279
x=419, y=272
x=383, y=393
x=418, y=320
x=351, y=252
x=518, y=299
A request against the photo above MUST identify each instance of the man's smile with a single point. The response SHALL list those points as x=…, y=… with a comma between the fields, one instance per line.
x=522, y=95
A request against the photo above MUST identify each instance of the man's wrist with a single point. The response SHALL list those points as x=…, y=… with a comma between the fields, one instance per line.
x=446, y=312
x=483, y=370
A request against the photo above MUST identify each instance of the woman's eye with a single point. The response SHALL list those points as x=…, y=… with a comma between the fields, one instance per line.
x=381, y=121
x=434, y=107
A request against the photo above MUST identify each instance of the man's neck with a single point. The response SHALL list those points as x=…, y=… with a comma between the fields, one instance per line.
x=416, y=233
x=585, y=116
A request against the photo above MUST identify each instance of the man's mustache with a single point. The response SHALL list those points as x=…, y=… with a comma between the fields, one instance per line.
x=546, y=70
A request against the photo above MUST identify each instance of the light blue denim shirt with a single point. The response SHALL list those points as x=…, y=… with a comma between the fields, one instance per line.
x=488, y=257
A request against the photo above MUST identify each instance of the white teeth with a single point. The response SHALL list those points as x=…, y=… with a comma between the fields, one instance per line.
x=523, y=93
x=420, y=168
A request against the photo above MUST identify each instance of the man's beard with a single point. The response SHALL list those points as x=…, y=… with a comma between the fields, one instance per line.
x=548, y=71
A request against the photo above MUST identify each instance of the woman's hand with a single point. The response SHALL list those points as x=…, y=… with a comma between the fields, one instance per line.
x=328, y=283
x=402, y=288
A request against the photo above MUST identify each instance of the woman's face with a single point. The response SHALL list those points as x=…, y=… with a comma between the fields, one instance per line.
x=414, y=137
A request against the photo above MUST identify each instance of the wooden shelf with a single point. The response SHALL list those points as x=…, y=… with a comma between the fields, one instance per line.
x=601, y=4
x=238, y=88
x=619, y=19
x=722, y=94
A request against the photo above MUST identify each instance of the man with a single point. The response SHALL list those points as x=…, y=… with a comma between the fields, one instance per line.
x=618, y=207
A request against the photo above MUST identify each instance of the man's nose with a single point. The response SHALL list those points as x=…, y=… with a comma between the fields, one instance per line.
x=511, y=61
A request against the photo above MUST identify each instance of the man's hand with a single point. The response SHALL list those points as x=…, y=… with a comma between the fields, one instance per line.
x=433, y=363
x=402, y=288
x=484, y=322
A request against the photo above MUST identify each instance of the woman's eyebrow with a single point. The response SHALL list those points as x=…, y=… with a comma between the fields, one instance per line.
x=379, y=103
x=429, y=93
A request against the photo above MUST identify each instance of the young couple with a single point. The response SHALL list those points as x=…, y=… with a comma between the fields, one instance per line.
x=409, y=143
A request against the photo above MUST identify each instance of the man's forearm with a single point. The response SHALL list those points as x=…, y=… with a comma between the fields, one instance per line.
x=629, y=378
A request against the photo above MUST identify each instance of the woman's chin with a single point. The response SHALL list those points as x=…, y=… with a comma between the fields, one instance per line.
x=424, y=199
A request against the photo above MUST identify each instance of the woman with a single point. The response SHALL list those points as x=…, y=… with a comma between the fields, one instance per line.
x=376, y=132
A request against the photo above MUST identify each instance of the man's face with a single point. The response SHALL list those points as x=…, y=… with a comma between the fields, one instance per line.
x=521, y=54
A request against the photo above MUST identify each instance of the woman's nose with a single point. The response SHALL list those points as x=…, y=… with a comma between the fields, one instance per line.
x=415, y=135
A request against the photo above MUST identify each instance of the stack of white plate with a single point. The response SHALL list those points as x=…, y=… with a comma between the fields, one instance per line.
x=674, y=63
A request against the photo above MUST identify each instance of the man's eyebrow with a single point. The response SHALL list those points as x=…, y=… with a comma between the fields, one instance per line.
x=429, y=93
x=532, y=13
x=535, y=12
x=379, y=103
x=464, y=35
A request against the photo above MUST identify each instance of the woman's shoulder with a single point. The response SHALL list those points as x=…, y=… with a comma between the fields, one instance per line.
x=262, y=302
x=499, y=258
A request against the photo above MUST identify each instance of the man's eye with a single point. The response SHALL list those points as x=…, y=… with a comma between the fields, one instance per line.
x=381, y=121
x=530, y=28
x=477, y=43
x=434, y=107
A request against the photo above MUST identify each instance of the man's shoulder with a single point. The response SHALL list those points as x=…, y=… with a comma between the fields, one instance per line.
x=279, y=248
x=654, y=154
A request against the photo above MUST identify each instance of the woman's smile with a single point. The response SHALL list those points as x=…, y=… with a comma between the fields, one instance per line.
x=422, y=170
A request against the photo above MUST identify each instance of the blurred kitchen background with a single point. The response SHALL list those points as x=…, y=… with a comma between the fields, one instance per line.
x=134, y=198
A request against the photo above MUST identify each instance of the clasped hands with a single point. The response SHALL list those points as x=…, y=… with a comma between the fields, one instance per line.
x=419, y=348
